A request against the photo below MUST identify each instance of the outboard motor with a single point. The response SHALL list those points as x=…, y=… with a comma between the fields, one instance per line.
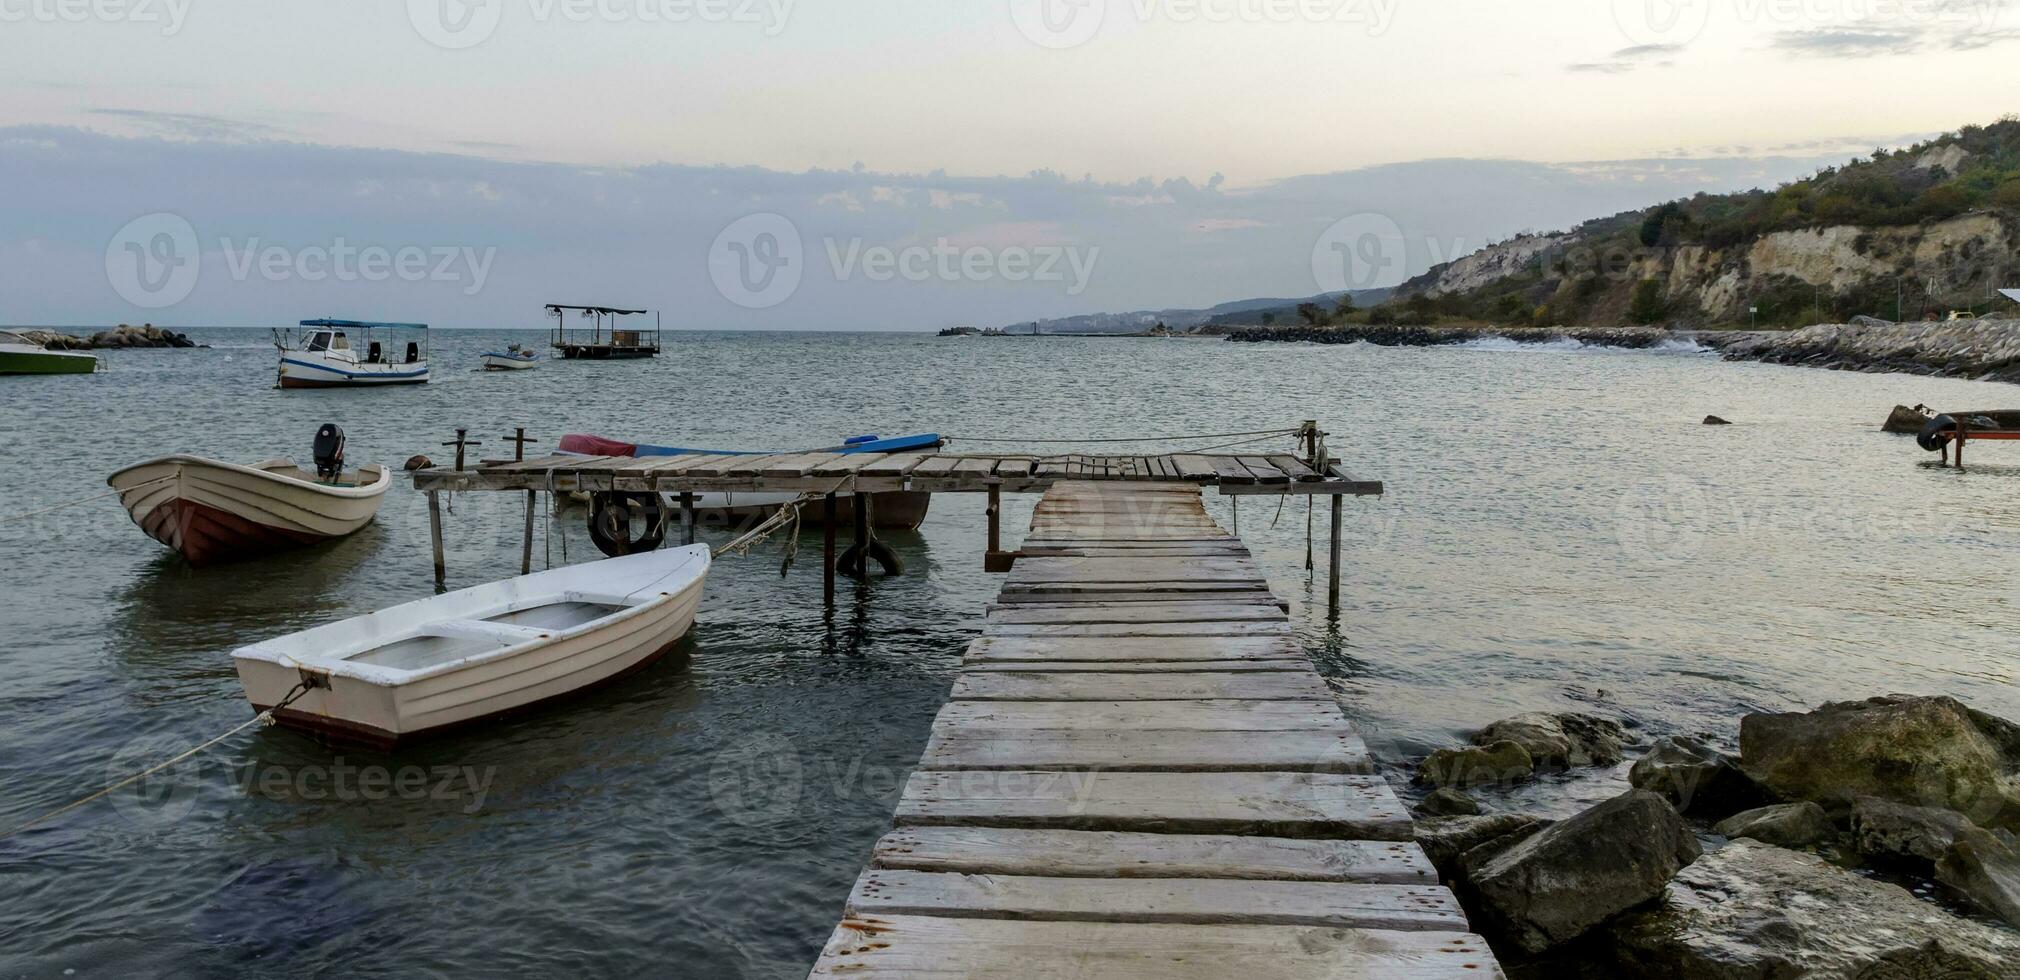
x=329, y=451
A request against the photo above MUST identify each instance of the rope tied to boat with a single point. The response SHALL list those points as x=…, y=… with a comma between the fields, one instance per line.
x=86, y=500
x=265, y=717
x=787, y=514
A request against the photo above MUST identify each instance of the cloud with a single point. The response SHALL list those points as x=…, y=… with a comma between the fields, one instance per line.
x=1601, y=67
x=1850, y=43
x=192, y=126
x=642, y=236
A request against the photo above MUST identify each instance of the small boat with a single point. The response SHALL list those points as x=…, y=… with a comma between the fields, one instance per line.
x=21, y=354
x=328, y=355
x=212, y=511
x=513, y=358
x=902, y=510
x=480, y=653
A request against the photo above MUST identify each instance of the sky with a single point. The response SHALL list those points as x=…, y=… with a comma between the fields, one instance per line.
x=904, y=164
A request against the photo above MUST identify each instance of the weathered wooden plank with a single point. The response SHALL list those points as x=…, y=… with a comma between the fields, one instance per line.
x=797, y=466
x=975, y=466
x=1134, y=569
x=1229, y=471
x=1015, y=468
x=1063, y=631
x=1194, y=469
x=1137, y=666
x=1082, y=686
x=894, y=464
x=1084, y=854
x=1155, y=750
x=1195, y=901
x=1298, y=469
x=848, y=464
x=1011, y=598
x=1144, y=591
x=938, y=948
x=1116, y=649
x=1133, y=613
x=1264, y=470
x=1275, y=804
x=1207, y=715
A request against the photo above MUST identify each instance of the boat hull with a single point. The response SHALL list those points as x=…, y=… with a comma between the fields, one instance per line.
x=385, y=713
x=209, y=511
x=300, y=370
x=46, y=362
x=504, y=362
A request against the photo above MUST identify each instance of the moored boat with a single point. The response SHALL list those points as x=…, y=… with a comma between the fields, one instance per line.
x=480, y=653
x=20, y=354
x=211, y=511
x=346, y=354
x=902, y=510
x=513, y=358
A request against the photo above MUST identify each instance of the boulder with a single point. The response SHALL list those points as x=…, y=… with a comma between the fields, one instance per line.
x=1783, y=825
x=1923, y=751
x=1560, y=882
x=1447, y=841
x=1448, y=803
x=1885, y=832
x=1715, y=420
x=1753, y=911
x=1985, y=866
x=1560, y=741
x=1696, y=777
x=1496, y=764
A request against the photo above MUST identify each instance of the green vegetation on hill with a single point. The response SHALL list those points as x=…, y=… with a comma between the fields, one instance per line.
x=1706, y=261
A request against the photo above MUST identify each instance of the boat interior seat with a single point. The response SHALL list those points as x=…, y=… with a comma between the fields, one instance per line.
x=477, y=629
x=603, y=599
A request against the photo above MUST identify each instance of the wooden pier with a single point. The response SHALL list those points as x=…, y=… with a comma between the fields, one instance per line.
x=828, y=474
x=1140, y=775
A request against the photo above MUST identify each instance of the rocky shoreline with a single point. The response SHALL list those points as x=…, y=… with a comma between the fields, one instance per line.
x=1984, y=350
x=1768, y=863
x=122, y=336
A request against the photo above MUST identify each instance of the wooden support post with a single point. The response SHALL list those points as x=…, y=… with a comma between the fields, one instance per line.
x=828, y=551
x=435, y=534
x=1333, y=588
x=995, y=518
x=526, y=547
x=687, y=515
x=1960, y=445
x=861, y=506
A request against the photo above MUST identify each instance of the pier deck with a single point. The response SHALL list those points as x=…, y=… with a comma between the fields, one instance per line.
x=1140, y=775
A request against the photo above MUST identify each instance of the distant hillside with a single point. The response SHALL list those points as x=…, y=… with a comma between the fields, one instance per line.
x=1899, y=235
x=1238, y=311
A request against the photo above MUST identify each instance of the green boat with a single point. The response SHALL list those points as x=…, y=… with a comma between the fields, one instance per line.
x=22, y=355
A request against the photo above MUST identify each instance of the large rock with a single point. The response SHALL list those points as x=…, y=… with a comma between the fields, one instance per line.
x=1783, y=825
x=1448, y=841
x=1498, y=764
x=1697, y=778
x=1558, y=883
x=1923, y=751
x=1448, y=803
x=1752, y=911
x=1559, y=741
x=1885, y=832
x=1985, y=866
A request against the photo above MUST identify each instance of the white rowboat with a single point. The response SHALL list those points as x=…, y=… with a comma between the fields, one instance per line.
x=514, y=358
x=480, y=653
x=213, y=511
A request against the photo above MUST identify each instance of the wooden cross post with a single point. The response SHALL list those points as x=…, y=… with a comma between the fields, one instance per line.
x=519, y=441
x=462, y=442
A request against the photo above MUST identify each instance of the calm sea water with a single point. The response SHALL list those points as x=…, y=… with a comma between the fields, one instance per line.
x=1559, y=533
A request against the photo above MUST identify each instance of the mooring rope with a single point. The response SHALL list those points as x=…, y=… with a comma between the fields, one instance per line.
x=790, y=513
x=86, y=500
x=264, y=717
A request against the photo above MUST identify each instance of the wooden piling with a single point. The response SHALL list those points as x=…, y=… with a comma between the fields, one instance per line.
x=435, y=535
x=1333, y=586
x=828, y=551
x=687, y=518
x=526, y=546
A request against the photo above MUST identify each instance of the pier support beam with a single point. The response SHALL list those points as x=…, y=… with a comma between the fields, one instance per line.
x=995, y=560
x=828, y=551
x=1333, y=587
x=687, y=516
x=435, y=534
x=526, y=546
